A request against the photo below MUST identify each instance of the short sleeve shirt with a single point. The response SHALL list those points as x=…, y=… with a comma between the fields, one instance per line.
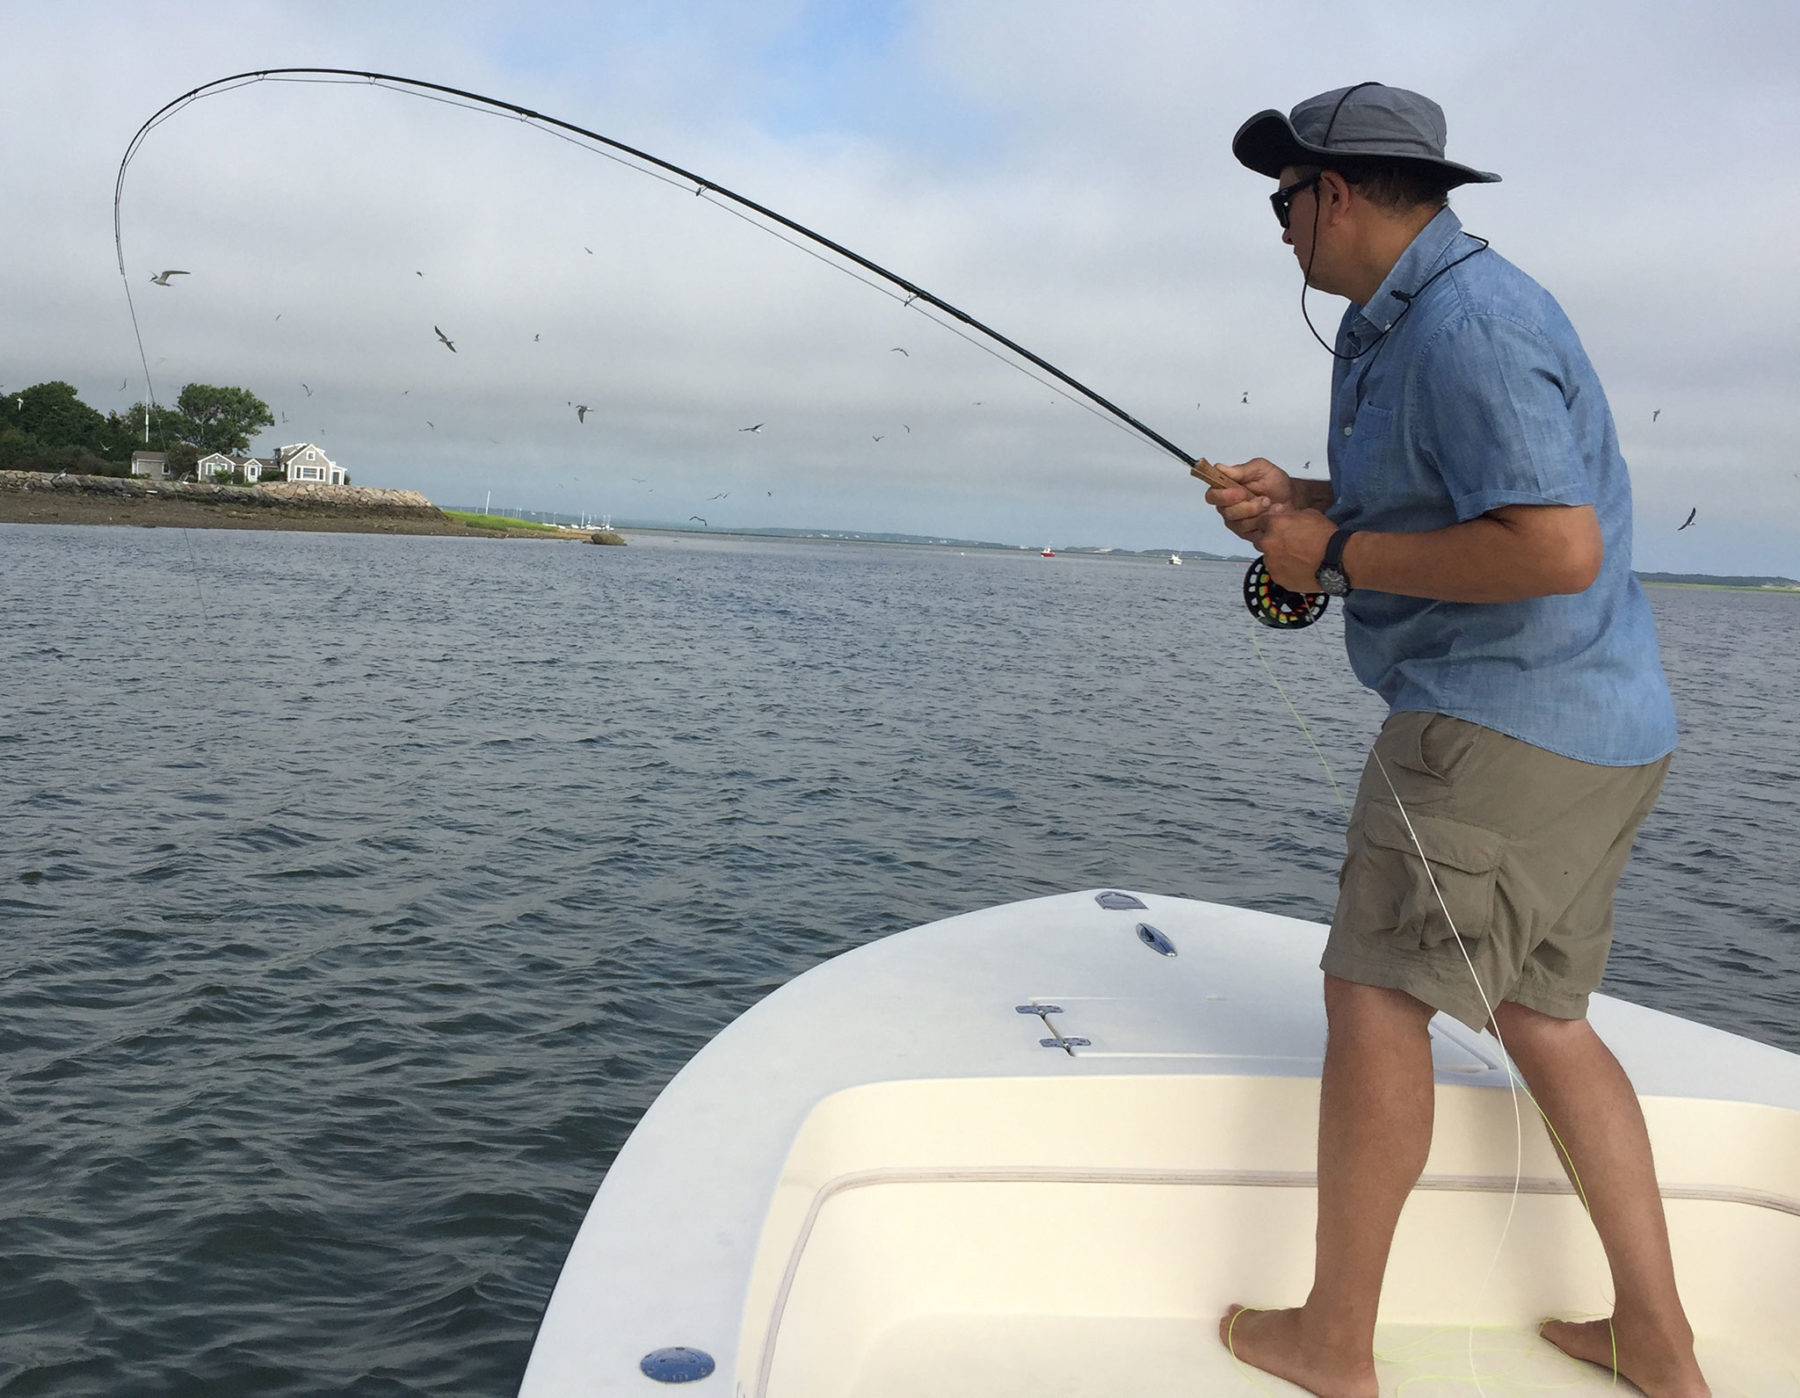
x=1473, y=393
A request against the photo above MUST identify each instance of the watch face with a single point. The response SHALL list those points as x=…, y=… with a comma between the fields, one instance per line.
x=1333, y=582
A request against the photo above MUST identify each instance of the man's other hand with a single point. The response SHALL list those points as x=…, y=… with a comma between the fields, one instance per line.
x=1293, y=546
x=1263, y=489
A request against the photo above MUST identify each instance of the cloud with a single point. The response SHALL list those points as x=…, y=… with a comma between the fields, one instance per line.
x=1065, y=179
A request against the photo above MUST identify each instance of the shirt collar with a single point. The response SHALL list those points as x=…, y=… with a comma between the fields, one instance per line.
x=1407, y=275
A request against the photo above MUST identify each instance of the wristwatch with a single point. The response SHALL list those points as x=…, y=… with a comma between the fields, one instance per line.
x=1333, y=580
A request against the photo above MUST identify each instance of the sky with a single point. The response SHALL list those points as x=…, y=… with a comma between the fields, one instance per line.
x=1059, y=170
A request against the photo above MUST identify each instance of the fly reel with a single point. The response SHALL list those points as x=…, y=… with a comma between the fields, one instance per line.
x=1273, y=605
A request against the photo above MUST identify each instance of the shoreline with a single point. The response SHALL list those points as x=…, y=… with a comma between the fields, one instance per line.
x=28, y=497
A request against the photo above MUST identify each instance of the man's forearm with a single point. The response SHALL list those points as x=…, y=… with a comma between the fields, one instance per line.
x=1505, y=556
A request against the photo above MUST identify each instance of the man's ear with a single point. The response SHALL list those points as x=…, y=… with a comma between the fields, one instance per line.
x=1334, y=192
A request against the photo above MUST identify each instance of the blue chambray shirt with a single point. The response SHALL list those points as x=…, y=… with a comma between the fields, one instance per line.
x=1481, y=396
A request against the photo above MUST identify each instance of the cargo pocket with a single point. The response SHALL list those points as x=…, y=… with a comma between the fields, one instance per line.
x=1384, y=889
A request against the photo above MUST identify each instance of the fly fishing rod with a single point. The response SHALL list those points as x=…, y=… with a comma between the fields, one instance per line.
x=1270, y=604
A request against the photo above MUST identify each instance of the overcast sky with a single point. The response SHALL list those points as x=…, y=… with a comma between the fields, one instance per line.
x=1058, y=169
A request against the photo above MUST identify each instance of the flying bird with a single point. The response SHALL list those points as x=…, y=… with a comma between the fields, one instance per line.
x=534, y=339
x=702, y=522
x=720, y=496
x=581, y=412
x=432, y=425
x=1246, y=397
x=757, y=428
x=899, y=349
x=1655, y=415
x=308, y=391
x=418, y=274
x=122, y=383
x=446, y=339
x=585, y=248
x=1689, y=520
x=162, y=278
x=878, y=439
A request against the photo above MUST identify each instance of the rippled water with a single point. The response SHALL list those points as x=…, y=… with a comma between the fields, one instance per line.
x=358, y=893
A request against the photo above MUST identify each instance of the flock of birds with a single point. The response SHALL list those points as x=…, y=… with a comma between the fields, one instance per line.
x=582, y=409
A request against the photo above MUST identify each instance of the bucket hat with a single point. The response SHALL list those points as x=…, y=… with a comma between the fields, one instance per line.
x=1369, y=121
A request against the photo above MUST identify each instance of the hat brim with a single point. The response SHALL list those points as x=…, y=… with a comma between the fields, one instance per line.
x=1268, y=144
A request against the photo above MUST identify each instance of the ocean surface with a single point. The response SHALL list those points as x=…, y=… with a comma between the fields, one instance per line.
x=357, y=894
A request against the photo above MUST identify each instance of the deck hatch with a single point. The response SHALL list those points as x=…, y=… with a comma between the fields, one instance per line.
x=1119, y=902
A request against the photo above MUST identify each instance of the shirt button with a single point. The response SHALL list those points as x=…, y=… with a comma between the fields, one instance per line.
x=1348, y=429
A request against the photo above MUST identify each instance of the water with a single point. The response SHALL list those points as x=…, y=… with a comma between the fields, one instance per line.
x=358, y=894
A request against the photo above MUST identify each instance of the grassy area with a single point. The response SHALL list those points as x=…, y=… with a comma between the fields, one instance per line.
x=480, y=521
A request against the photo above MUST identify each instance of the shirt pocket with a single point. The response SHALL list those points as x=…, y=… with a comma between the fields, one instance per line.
x=1366, y=455
x=1385, y=888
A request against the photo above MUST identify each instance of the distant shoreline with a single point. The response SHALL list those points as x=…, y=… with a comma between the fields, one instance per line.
x=29, y=497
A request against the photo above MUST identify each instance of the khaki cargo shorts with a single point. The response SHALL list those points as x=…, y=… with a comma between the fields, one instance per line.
x=1525, y=848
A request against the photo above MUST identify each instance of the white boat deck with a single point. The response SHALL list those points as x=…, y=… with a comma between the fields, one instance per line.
x=882, y=1181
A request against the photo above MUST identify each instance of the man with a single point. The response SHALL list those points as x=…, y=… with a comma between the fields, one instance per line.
x=1477, y=524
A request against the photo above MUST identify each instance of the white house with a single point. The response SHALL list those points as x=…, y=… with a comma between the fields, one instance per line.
x=306, y=462
x=154, y=464
x=223, y=464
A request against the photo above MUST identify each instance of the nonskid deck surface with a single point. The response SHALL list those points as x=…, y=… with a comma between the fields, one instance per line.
x=1180, y=1357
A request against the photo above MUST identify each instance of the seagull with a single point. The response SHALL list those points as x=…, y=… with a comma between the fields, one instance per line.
x=446, y=339
x=878, y=439
x=909, y=430
x=1655, y=415
x=418, y=274
x=1689, y=520
x=1246, y=397
x=581, y=412
x=162, y=278
x=899, y=349
x=122, y=383
x=720, y=496
x=757, y=428
x=308, y=391
x=534, y=339
x=432, y=425
x=585, y=248
x=702, y=522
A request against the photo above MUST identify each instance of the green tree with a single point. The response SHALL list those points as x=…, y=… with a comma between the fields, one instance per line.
x=53, y=415
x=182, y=458
x=221, y=419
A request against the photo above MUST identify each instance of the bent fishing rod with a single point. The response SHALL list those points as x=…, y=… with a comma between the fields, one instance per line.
x=1268, y=603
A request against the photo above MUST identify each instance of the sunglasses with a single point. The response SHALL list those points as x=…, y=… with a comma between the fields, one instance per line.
x=1282, y=200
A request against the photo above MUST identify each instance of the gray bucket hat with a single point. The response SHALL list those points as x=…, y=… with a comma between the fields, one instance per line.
x=1368, y=122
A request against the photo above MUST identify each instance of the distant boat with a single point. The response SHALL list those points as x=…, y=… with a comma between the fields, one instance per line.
x=1047, y=552
x=1175, y=558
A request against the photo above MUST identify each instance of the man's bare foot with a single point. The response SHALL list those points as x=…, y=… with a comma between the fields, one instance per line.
x=1662, y=1365
x=1277, y=1343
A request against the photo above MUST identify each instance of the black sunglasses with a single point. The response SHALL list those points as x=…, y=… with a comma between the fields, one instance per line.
x=1282, y=200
